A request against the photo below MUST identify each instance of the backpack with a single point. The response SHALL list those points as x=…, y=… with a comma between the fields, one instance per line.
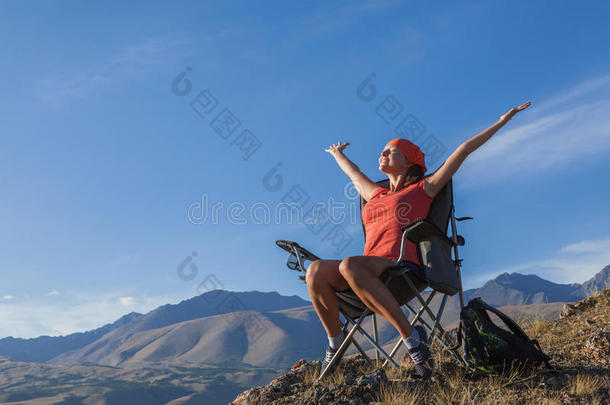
x=489, y=348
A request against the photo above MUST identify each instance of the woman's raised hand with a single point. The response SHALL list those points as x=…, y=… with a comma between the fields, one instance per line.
x=511, y=113
x=336, y=147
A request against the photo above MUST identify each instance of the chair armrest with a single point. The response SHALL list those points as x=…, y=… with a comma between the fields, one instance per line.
x=434, y=251
x=393, y=271
x=423, y=229
x=298, y=255
x=419, y=231
x=291, y=246
x=399, y=269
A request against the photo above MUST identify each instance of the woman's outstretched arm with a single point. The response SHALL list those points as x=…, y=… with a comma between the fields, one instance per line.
x=362, y=183
x=436, y=181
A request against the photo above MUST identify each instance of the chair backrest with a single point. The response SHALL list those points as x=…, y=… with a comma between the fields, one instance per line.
x=434, y=250
x=440, y=209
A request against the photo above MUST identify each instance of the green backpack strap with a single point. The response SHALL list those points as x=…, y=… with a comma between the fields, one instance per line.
x=512, y=325
x=516, y=329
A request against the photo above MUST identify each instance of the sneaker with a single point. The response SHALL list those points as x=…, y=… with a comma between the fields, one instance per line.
x=421, y=356
x=330, y=353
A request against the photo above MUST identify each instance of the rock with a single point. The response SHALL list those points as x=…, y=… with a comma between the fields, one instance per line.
x=298, y=364
x=569, y=310
x=598, y=346
x=378, y=377
x=246, y=397
x=296, y=386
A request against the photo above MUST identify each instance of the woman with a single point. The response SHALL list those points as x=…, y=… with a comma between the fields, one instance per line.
x=403, y=163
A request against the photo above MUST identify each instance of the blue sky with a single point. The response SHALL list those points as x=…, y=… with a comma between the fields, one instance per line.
x=101, y=159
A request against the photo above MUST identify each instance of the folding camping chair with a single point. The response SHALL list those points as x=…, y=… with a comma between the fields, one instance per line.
x=439, y=271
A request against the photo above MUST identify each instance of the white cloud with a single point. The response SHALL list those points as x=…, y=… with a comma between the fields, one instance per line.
x=574, y=263
x=588, y=246
x=579, y=90
x=53, y=293
x=132, y=62
x=345, y=16
x=550, y=140
x=8, y=297
x=127, y=301
x=75, y=312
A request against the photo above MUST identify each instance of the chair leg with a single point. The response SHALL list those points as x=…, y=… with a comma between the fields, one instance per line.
x=344, y=328
x=439, y=314
x=421, y=300
x=418, y=317
x=437, y=326
x=435, y=318
x=362, y=352
x=413, y=322
x=376, y=335
x=370, y=339
x=346, y=342
x=419, y=313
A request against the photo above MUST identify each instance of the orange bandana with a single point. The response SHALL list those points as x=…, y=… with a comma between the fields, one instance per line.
x=411, y=151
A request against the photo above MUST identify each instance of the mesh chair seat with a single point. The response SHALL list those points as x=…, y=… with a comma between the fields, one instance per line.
x=351, y=304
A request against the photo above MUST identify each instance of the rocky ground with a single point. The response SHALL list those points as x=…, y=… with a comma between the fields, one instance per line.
x=578, y=343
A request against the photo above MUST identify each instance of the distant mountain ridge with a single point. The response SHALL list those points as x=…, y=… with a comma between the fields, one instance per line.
x=272, y=339
x=528, y=292
x=520, y=289
x=196, y=329
x=600, y=281
x=215, y=302
x=44, y=348
x=199, y=329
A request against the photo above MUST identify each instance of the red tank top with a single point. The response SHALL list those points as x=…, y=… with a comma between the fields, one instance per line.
x=384, y=214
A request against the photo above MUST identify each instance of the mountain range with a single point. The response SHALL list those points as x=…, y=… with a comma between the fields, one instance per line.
x=220, y=326
x=254, y=331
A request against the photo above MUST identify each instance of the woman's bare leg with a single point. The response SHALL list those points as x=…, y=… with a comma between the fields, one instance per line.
x=362, y=274
x=323, y=280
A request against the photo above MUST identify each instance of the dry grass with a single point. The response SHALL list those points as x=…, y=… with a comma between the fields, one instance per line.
x=453, y=384
x=534, y=327
x=564, y=338
x=397, y=373
x=335, y=378
x=584, y=384
x=397, y=395
x=582, y=379
x=459, y=387
x=310, y=376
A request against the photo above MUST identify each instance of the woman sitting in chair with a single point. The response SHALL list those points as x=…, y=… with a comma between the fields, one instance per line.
x=403, y=162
